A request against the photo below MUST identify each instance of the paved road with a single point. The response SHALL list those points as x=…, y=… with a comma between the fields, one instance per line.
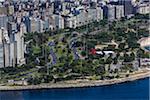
x=76, y=56
x=53, y=55
x=54, y=58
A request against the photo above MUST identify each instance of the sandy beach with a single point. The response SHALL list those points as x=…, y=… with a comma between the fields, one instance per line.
x=82, y=83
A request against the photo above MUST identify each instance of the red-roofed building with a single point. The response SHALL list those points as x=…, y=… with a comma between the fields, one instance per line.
x=93, y=51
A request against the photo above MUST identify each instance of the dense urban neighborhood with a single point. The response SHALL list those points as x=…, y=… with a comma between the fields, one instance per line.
x=53, y=41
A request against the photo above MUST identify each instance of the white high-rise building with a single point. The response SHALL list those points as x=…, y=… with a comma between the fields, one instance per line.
x=70, y=21
x=3, y=21
x=143, y=8
x=4, y=48
x=59, y=22
x=1, y=49
x=42, y=24
x=1, y=56
x=111, y=12
x=82, y=18
x=12, y=46
x=99, y=13
x=20, y=47
x=119, y=11
x=92, y=14
x=13, y=54
x=34, y=25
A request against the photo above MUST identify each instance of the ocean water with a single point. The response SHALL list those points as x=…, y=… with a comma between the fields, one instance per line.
x=136, y=90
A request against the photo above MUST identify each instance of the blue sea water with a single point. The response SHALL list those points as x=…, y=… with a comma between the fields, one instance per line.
x=136, y=90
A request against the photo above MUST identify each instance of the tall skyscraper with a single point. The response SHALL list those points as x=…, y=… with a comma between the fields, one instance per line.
x=3, y=21
x=20, y=47
x=119, y=10
x=143, y=8
x=59, y=22
x=4, y=48
x=1, y=48
x=128, y=7
x=109, y=12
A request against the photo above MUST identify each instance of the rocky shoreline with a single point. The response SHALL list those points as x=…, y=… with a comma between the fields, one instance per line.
x=81, y=83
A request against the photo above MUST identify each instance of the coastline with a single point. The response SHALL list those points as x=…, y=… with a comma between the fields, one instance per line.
x=81, y=83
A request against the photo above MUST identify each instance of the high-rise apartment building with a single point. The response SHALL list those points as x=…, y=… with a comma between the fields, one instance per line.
x=143, y=8
x=59, y=22
x=128, y=6
x=119, y=11
x=3, y=21
x=110, y=12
